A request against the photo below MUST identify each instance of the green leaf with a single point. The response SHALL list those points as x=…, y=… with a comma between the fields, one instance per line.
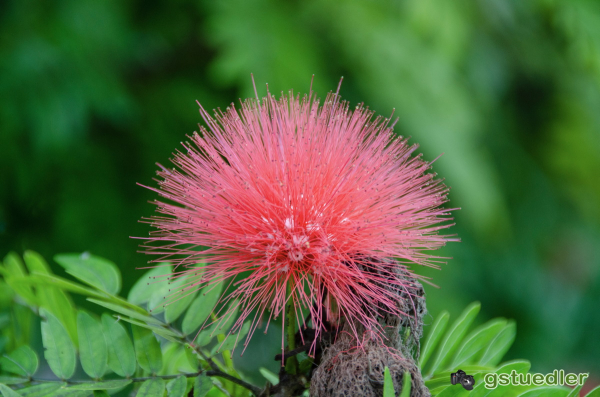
x=175, y=359
x=406, y=385
x=154, y=387
x=229, y=317
x=158, y=330
x=14, y=265
x=21, y=321
x=594, y=393
x=498, y=347
x=36, y=263
x=232, y=340
x=477, y=342
x=454, y=336
x=452, y=391
x=202, y=385
x=170, y=354
x=220, y=326
x=104, y=385
x=388, y=384
x=268, y=375
x=92, y=345
x=70, y=392
x=22, y=361
x=147, y=349
x=7, y=391
x=161, y=295
x=438, y=390
x=121, y=356
x=93, y=270
x=59, y=349
x=15, y=270
x=100, y=393
x=575, y=392
x=41, y=390
x=434, y=336
x=183, y=293
x=192, y=357
x=149, y=284
x=206, y=336
x=176, y=387
x=547, y=391
x=13, y=380
x=67, y=285
x=147, y=318
x=187, y=360
x=50, y=297
x=201, y=308
x=59, y=304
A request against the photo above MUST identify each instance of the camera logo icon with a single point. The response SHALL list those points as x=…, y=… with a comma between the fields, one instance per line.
x=460, y=377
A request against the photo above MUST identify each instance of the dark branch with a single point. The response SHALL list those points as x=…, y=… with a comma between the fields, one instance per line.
x=215, y=370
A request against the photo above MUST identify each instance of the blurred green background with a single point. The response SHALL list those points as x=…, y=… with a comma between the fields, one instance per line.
x=93, y=93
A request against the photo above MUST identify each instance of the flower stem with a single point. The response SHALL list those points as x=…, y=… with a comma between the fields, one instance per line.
x=291, y=364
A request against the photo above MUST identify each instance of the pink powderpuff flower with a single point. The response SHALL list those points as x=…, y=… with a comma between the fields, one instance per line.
x=287, y=198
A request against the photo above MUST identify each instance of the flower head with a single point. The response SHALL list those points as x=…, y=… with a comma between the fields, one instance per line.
x=291, y=201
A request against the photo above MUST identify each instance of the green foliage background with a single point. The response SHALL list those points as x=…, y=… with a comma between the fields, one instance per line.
x=93, y=93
